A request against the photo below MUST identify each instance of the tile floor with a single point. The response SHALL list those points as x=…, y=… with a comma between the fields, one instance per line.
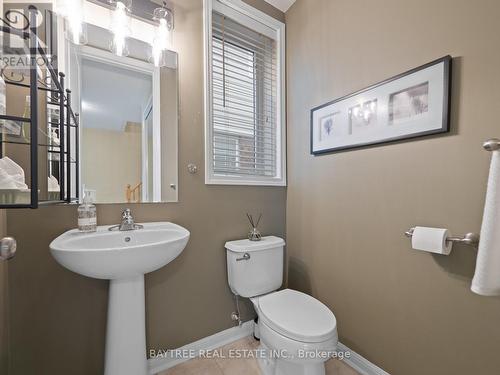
x=242, y=366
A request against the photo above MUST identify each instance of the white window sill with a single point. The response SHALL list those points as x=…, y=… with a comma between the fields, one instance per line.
x=244, y=182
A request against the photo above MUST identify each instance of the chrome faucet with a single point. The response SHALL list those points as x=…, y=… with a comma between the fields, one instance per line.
x=127, y=222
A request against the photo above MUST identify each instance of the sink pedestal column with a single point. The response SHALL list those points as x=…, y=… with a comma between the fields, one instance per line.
x=126, y=328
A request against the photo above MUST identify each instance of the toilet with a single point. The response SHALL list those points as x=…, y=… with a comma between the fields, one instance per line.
x=298, y=333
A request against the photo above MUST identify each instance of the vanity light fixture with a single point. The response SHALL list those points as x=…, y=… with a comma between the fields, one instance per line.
x=72, y=12
x=162, y=40
x=120, y=26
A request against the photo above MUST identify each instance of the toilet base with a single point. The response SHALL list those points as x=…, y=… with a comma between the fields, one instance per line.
x=276, y=366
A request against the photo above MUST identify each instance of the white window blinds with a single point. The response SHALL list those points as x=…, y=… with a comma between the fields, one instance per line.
x=245, y=135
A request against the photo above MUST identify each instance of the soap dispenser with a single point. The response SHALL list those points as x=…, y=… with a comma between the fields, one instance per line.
x=87, y=214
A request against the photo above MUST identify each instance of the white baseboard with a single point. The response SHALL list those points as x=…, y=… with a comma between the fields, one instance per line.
x=215, y=341
x=359, y=363
x=169, y=360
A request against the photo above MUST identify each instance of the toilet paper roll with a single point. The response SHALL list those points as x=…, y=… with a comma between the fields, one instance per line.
x=431, y=239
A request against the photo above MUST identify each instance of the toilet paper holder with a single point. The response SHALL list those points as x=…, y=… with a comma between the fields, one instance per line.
x=470, y=239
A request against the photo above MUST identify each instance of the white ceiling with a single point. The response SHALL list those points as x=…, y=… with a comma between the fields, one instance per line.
x=282, y=5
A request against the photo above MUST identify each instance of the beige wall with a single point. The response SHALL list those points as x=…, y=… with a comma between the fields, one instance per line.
x=410, y=312
x=111, y=160
x=58, y=317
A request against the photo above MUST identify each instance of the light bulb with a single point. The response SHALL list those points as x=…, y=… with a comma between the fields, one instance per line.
x=161, y=42
x=120, y=29
x=72, y=11
x=119, y=46
x=61, y=8
x=77, y=29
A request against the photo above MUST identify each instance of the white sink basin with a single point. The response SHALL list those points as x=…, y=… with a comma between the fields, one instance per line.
x=115, y=255
x=124, y=258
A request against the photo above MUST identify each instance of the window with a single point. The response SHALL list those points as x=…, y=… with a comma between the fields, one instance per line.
x=244, y=121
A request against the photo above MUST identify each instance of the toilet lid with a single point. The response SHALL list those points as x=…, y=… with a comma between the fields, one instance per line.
x=297, y=316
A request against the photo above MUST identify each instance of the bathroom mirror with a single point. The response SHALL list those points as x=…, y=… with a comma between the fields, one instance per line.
x=128, y=120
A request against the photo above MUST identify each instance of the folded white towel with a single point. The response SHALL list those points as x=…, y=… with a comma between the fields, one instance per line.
x=486, y=279
x=11, y=175
x=53, y=184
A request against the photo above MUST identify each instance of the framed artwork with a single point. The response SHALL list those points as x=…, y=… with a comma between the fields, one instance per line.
x=412, y=104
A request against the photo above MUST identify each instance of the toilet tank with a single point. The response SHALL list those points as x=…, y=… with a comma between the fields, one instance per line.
x=255, y=267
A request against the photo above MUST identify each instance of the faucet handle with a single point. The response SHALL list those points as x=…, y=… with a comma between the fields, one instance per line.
x=126, y=214
x=127, y=222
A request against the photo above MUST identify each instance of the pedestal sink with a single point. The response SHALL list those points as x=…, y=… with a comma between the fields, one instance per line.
x=124, y=258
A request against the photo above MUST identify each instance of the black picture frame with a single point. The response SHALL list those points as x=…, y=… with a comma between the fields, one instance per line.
x=446, y=61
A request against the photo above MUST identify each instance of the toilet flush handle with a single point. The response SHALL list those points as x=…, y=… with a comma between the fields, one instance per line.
x=246, y=256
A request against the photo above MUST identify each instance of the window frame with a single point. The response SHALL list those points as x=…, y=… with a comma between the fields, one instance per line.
x=260, y=22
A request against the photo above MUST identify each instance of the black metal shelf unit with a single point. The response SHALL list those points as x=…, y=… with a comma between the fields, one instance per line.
x=65, y=123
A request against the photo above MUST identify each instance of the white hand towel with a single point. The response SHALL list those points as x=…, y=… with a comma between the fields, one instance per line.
x=11, y=175
x=53, y=184
x=6, y=181
x=486, y=279
x=11, y=167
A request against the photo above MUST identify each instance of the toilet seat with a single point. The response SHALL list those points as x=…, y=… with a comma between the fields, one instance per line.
x=297, y=316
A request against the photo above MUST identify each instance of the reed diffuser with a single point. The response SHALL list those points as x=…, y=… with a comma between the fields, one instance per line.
x=254, y=234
